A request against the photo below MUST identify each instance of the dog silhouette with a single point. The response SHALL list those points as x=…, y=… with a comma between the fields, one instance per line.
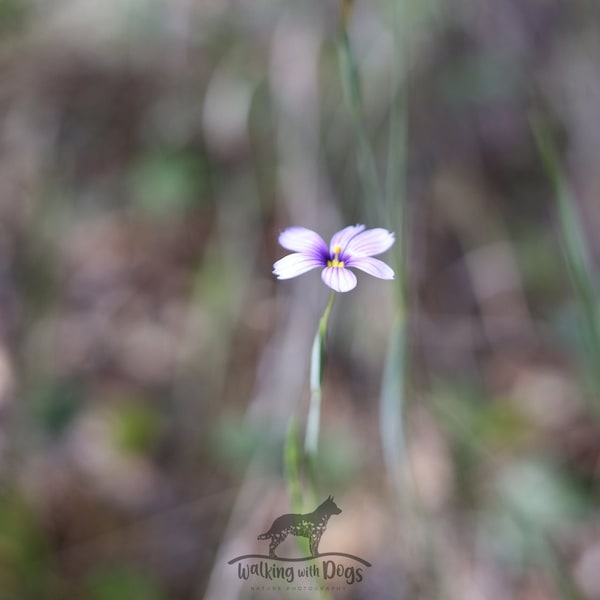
x=311, y=525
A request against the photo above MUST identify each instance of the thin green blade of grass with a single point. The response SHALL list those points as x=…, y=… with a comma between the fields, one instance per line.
x=397, y=209
x=393, y=384
x=395, y=184
x=367, y=168
x=392, y=407
x=575, y=254
x=563, y=579
x=549, y=559
x=397, y=461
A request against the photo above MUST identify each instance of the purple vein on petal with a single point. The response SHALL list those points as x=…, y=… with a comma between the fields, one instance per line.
x=301, y=239
x=338, y=279
x=342, y=237
x=372, y=266
x=370, y=242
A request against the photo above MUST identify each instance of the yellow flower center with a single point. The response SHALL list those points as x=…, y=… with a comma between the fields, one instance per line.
x=335, y=261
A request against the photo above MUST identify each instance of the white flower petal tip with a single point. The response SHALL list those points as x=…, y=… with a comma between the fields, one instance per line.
x=371, y=242
x=293, y=265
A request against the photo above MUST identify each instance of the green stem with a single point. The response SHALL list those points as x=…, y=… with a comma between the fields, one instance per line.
x=317, y=363
x=293, y=452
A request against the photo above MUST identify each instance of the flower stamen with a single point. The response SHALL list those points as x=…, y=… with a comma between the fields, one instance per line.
x=335, y=261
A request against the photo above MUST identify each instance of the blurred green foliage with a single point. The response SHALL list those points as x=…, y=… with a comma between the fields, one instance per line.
x=530, y=504
x=235, y=444
x=479, y=431
x=25, y=555
x=122, y=583
x=164, y=184
x=56, y=403
x=13, y=15
x=137, y=427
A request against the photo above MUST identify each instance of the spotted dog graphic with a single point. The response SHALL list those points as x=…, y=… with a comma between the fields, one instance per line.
x=311, y=525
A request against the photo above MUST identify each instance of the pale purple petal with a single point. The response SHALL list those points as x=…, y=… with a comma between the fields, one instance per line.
x=372, y=266
x=293, y=265
x=339, y=278
x=301, y=239
x=341, y=238
x=369, y=243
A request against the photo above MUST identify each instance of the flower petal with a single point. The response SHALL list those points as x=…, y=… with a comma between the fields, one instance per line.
x=372, y=266
x=296, y=264
x=339, y=278
x=341, y=238
x=369, y=243
x=301, y=239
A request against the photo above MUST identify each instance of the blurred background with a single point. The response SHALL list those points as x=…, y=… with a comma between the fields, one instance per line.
x=150, y=153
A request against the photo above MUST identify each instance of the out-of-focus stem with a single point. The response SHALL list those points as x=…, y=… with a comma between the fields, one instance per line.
x=317, y=363
x=576, y=256
x=367, y=169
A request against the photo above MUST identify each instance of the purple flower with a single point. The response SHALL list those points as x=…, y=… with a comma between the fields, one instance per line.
x=350, y=247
